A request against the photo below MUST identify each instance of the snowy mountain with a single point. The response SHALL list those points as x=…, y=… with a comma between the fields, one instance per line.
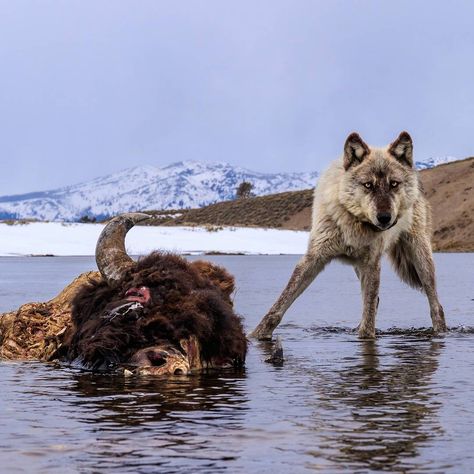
x=177, y=186
x=432, y=162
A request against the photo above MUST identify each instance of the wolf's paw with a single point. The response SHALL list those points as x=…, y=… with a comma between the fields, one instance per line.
x=439, y=327
x=260, y=334
x=365, y=333
x=439, y=323
x=265, y=328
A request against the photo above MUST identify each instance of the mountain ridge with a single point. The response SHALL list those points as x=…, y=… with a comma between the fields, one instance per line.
x=179, y=185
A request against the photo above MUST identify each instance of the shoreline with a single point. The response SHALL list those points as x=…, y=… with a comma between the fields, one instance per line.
x=41, y=239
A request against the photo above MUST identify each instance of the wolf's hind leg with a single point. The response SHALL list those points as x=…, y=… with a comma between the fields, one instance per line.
x=413, y=261
x=424, y=264
x=304, y=273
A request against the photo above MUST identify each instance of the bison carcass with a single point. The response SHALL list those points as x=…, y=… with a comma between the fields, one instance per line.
x=159, y=315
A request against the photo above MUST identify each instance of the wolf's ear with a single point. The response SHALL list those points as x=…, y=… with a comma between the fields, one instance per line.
x=355, y=150
x=402, y=149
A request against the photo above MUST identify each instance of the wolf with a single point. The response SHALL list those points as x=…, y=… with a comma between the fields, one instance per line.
x=367, y=204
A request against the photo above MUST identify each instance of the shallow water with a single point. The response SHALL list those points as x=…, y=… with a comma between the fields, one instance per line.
x=404, y=402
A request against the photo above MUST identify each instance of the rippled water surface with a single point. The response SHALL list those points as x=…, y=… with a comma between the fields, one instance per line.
x=404, y=402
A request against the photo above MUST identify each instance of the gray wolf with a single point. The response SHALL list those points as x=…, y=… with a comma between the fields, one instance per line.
x=368, y=203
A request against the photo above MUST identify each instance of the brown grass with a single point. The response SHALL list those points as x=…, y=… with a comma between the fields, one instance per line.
x=274, y=211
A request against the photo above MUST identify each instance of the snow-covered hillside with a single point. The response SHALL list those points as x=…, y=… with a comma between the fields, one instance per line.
x=432, y=162
x=180, y=185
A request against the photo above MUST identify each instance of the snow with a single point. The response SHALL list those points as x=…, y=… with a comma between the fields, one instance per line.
x=54, y=238
x=432, y=162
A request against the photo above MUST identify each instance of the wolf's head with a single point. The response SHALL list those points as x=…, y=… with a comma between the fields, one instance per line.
x=379, y=184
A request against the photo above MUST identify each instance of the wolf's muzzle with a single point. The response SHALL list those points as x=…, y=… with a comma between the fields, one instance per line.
x=384, y=218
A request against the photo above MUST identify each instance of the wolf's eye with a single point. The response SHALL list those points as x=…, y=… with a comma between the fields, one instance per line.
x=394, y=184
x=368, y=185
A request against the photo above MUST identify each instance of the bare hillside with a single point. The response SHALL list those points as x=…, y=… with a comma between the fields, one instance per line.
x=450, y=190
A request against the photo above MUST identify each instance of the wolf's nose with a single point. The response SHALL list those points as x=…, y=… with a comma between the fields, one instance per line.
x=384, y=217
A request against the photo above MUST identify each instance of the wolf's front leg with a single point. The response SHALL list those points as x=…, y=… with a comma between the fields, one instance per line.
x=369, y=276
x=424, y=265
x=304, y=273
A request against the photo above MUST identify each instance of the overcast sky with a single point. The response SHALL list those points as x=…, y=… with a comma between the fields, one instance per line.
x=91, y=87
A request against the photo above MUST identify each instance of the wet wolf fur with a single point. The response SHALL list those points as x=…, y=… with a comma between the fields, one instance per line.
x=187, y=299
x=366, y=204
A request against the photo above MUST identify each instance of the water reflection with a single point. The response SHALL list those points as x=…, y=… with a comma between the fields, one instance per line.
x=336, y=405
x=137, y=400
x=149, y=423
x=389, y=403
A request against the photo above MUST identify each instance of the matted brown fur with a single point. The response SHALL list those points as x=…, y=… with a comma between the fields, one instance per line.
x=185, y=301
x=35, y=331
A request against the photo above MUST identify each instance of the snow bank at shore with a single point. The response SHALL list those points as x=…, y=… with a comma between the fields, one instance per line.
x=53, y=238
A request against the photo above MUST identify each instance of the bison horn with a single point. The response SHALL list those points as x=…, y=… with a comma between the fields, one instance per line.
x=110, y=254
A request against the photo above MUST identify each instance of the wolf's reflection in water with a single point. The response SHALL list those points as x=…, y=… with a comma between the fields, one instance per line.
x=389, y=403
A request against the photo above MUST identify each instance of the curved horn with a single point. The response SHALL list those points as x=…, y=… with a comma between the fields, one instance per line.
x=110, y=254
